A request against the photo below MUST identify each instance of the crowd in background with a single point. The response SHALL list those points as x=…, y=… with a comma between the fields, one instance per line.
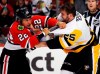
x=9, y=10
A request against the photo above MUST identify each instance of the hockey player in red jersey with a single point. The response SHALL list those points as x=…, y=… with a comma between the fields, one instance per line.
x=13, y=59
x=20, y=39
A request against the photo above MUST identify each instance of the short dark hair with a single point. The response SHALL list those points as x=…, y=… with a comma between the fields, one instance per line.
x=69, y=8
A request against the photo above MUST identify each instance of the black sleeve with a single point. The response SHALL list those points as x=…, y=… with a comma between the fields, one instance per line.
x=54, y=43
x=40, y=36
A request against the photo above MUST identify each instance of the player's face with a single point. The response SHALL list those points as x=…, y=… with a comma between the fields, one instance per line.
x=65, y=16
x=26, y=22
x=92, y=5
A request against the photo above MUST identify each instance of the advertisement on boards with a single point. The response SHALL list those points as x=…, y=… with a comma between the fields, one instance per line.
x=44, y=60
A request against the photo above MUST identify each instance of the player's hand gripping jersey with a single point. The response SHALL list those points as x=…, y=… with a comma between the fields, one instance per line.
x=74, y=37
x=21, y=37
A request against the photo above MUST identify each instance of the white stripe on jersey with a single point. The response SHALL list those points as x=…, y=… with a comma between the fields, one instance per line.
x=45, y=23
x=10, y=46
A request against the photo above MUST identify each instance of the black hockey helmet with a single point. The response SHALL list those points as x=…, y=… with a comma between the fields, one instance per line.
x=22, y=15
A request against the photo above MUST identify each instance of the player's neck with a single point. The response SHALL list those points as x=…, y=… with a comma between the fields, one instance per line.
x=94, y=11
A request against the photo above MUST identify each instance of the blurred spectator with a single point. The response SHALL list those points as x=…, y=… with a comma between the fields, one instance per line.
x=41, y=7
x=47, y=8
x=6, y=14
x=99, y=4
x=20, y=6
x=28, y=7
x=0, y=32
x=23, y=6
x=2, y=37
x=69, y=1
x=55, y=7
x=12, y=2
x=80, y=6
x=34, y=2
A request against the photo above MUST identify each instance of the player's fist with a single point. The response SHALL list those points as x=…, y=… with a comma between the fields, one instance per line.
x=61, y=25
x=46, y=31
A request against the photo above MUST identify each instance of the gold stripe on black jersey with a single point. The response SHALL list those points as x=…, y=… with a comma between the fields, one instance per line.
x=63, y=42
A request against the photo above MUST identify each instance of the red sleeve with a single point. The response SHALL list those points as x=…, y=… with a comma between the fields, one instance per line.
x=0, y=8
x=52, y=22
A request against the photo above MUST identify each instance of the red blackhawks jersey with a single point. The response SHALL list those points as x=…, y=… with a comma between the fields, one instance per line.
x=20, y=37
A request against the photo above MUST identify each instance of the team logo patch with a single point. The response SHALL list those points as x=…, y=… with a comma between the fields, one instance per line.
x=20, y=27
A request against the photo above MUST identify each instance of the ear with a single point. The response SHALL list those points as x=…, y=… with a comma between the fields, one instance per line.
x=70, y=15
